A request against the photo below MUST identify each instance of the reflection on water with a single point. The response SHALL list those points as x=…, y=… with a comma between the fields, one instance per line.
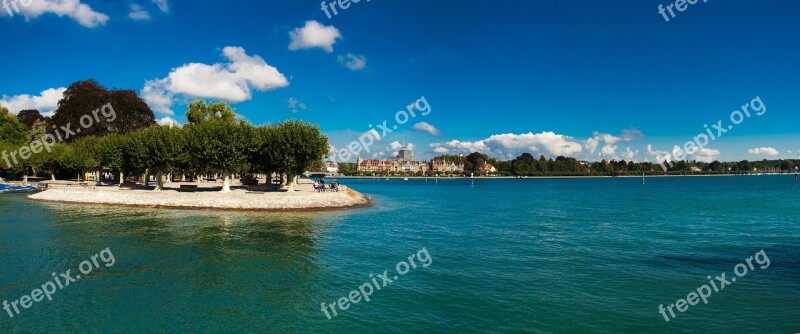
x=254, y=267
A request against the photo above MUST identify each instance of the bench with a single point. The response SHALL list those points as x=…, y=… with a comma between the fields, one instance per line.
x=187, y=188
x=127, y=185
x=257, y=188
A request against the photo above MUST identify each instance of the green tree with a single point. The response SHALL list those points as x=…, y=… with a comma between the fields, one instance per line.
x=159, y=149
x=302, y=145
x=218, y=147
x=200, y=112
x=11, y=129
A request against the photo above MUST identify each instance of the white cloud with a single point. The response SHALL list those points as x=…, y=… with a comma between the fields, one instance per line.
x=703, y=155
x=353, y=61
x=660, y=156
x=138, y=14
x=610, y=140
x=441, y=150
x=45, y=102
x=631, y=134
x=314, y=35
x=607, y=138
x=163, y=5
x=608, y=150
x=233, y=81
x=396, y=145
x=706, y=155
x=74, y=9
x=629, y=155
x=168, y=121
x=295, y=105
x=511, y=145
x=425, y=127
x=770, y=151
x=591, y=144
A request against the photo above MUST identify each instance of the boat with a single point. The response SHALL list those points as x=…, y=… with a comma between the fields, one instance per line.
x=4, y=188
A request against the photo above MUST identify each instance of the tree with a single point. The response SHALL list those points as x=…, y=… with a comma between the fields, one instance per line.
x=11, y=130
x=111, y=153
x=81, y=98
x=131, y=112
x=80, y=156
x=475, y=161
x=200, y=112
x=37, y=130
x=160, y=149
x=29, y=117
x=219, y=147
x=50, y=160
x=302, y=146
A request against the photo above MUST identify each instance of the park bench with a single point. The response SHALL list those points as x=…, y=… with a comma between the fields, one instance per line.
x=257, y=188
x=187, y=188
x=127, y=185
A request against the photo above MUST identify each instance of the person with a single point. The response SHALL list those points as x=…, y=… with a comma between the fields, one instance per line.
x=322, y=184
x=334, y=185
x=316, y=186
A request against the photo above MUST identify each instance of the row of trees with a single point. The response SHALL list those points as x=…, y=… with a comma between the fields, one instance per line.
x=527, y=165
x=213, y=142
x=210, y=147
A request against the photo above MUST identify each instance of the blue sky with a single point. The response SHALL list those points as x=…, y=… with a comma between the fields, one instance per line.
x=590, y=79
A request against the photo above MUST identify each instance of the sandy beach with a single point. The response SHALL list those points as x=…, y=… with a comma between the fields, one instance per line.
x=303, y=198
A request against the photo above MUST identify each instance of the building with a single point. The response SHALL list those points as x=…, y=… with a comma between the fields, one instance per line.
x=405, y=153
x=442, y=166
x=402, y=163
x=332, y=167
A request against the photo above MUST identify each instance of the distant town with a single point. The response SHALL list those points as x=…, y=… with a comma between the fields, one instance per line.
x=526, y=165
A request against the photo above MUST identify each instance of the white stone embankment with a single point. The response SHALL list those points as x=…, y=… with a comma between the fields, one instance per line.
x=303, y=198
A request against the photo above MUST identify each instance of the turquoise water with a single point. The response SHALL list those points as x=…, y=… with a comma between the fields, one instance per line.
x=508, y=256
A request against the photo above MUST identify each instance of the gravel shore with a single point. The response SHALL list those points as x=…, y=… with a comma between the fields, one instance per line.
x=303, y=198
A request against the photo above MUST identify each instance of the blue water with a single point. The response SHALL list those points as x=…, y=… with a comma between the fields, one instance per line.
x=508, y=256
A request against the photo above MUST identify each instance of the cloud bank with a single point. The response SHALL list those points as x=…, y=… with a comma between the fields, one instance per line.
x=233, y=81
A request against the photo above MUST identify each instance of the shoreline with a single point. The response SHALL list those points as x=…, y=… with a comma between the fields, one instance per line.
x=303, y=199
x=538, y=177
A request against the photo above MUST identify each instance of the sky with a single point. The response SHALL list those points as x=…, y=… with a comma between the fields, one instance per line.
x=588, y=79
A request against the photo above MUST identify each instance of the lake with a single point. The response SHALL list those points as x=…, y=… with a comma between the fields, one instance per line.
x=504, y=256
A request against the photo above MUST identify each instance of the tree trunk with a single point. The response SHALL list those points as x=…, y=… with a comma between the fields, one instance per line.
x=226, y=185
x=146, y=178
x=121, y=177
x=159, y=182
x=290, y=182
